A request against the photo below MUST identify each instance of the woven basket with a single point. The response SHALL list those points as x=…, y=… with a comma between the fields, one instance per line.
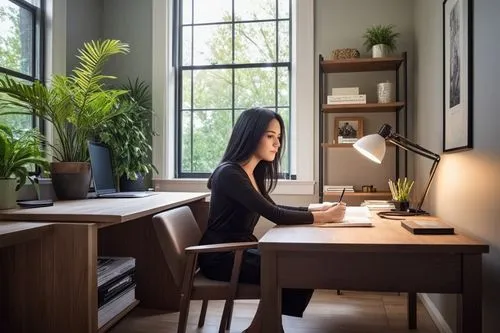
x=345, y=54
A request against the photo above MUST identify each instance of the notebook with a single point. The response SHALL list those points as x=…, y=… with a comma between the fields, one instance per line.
x=102, y=172
x=354, y=217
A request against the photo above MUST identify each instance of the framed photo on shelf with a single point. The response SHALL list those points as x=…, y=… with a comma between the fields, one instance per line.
x=347, y=130
x=457, y=75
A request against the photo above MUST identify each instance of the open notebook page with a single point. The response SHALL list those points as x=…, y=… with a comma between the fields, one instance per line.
x=354, y=217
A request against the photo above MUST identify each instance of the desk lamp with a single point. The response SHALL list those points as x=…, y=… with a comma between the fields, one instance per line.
x=373, y=147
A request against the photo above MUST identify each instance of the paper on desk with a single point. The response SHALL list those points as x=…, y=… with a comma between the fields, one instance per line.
x=354, y=217
x=320, y=206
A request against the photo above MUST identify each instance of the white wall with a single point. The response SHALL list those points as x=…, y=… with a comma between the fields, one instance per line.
x=130, y=22
x=341, y=24
x=466, y=184
x=84, y=23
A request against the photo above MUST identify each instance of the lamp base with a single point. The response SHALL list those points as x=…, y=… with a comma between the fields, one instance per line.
x=394, y=215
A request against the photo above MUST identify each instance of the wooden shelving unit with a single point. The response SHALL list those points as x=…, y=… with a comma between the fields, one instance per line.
x=347, y=145
x=365, y=195
x=362, y=65
x=368, y=107
x=399, y=108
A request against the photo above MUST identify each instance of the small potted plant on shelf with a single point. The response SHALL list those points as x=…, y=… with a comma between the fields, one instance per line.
x=400, y=191
x=19, y=154
x=381, y=39
x=76, y=106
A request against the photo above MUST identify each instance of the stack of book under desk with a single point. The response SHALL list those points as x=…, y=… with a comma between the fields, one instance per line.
x=115, y=286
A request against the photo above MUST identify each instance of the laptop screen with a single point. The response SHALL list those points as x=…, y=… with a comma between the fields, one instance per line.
x=102, y=171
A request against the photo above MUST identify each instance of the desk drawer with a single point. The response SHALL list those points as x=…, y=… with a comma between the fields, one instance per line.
x=419, y=272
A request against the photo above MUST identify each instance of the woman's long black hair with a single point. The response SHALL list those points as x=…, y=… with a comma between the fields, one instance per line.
x=250, y=127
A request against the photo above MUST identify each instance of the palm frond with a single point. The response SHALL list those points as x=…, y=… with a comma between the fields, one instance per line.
x=76, y=105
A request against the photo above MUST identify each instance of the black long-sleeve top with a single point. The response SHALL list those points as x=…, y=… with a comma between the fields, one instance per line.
x=235, y=208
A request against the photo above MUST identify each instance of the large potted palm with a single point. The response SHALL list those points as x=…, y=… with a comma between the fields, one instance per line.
x=76, y=105
x=19, y=153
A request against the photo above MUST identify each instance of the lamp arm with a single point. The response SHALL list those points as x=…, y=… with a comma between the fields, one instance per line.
x=433, y=171
x=406, y=144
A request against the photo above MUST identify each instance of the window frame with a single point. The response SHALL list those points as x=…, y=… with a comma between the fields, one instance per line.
x=38, y=54
x=179, y=68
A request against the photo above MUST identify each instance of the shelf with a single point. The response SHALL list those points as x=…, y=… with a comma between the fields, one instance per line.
x=367, y=195
x=348, y=145
x=361, y=65
x=368, y=107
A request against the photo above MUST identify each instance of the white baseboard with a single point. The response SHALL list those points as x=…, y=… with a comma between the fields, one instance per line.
x=436, y=316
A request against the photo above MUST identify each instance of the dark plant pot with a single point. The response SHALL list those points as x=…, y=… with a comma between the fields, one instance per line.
x=401, y=205
x=71, y=180
x=127, y=185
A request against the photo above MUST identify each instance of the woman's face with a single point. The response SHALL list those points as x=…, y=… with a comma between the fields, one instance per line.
x=269, y=143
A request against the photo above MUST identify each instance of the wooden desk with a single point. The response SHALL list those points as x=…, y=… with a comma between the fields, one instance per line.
x=22, y=274
x=385, y=257
x=112, y=227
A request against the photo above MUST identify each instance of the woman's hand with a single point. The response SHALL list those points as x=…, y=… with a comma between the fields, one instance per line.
x=333, y=214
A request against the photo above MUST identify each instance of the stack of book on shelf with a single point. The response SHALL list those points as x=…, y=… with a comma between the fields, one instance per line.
x=346, y=140
x=337, y=188
x=378, y=205
x=348, y=95
x=115, y=286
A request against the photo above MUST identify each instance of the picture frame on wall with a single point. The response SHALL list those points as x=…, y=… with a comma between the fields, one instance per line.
x=457, y=75
x=347, y=130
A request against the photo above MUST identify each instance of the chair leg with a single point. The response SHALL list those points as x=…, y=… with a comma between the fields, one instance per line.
x=183, y=315
x=230, y=316
x=228, y=305
x=203, y=313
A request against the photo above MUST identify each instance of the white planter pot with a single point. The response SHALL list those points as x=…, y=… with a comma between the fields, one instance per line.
x=8, y=194
x=379, y=51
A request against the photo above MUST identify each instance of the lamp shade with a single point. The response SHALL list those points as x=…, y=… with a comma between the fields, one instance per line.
x=372, y=146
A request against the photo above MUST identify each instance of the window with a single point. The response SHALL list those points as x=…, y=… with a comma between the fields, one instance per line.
x=21, y=48
x=229, y=55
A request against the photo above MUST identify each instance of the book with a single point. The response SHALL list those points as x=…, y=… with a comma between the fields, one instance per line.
x=338, y=188
x=346, y=99
x=345, y=91
x=427, y=227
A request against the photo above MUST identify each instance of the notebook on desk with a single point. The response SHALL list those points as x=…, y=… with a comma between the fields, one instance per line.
x=102, y=172
x=354, y=217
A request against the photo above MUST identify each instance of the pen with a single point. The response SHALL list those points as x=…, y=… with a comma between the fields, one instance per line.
x=341, y=195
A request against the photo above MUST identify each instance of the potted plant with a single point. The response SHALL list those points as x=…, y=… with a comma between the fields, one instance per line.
x=400, y=191
x=129, y=135
x=76, y=106
x=381, y=39
x=19, y=153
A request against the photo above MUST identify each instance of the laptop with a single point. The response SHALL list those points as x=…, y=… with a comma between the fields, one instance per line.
x=102, y=172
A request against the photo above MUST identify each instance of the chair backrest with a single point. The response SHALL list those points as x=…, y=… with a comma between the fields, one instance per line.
x=176, y=229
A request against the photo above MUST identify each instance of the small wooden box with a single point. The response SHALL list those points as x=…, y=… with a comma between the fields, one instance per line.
x=427, y=227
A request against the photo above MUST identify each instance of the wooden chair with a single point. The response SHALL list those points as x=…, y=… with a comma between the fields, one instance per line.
x=179, y=234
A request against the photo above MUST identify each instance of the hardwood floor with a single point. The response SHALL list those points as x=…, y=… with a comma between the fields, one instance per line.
x=351, y=312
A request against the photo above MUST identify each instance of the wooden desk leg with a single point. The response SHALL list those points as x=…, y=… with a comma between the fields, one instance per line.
x=270, y=293
x=73, y=303
x=470, y=301
x=50, y=284
x=412, y=311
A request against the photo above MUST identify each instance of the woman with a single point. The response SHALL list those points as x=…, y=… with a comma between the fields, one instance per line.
x=240, y=188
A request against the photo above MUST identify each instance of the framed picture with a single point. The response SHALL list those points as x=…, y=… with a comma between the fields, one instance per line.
x=457, y=75
x=348, y=129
